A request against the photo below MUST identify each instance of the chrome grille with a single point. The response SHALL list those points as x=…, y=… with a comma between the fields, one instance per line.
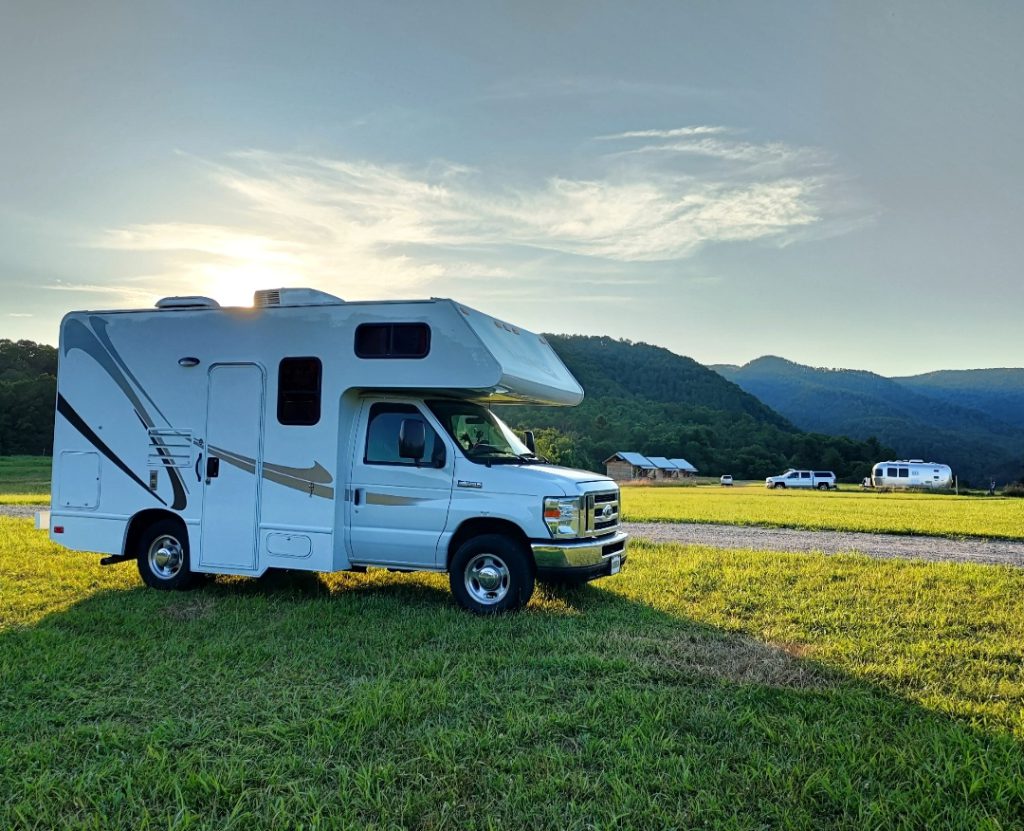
x=597, y=521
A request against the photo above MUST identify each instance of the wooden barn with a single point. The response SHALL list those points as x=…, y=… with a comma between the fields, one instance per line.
x=626, y=467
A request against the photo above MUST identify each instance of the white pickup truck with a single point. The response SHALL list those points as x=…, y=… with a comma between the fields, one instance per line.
x=823, y=480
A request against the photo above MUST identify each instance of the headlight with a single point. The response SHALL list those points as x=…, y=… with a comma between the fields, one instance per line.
x=562, y=515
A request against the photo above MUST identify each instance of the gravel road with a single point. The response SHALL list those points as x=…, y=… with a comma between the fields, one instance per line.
x=938, y=549
x=22, y=511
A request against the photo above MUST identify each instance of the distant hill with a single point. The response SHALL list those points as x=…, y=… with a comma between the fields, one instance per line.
x=949, y=417
x=645, y=398
x=998, y=393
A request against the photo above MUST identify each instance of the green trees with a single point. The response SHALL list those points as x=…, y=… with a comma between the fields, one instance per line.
x=28, y=391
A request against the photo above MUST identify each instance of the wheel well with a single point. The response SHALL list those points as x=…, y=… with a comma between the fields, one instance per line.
x=141, y=521
x=484, y=525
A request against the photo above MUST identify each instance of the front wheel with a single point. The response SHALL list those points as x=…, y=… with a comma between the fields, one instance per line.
x=163, y=556
x=491, y=574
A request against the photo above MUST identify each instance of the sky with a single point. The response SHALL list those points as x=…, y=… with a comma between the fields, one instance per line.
x=840, y=184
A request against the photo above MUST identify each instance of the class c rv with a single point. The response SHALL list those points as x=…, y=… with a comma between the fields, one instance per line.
x=313, y=434
x=911, y=473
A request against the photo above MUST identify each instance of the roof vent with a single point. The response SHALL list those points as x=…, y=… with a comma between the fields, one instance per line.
x=266, y=298
x=192, y=301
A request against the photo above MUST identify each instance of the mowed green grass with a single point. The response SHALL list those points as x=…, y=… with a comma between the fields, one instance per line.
x=24, y=480
x=844, y=510
x=699, y=688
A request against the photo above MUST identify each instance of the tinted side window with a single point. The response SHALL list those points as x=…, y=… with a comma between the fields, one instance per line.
x=879, y=471
x=890, y=471
x=382, y=436
x=392, y=340
x=805, y=474
x=823, y=474
x=904, y=473
x=298, y=391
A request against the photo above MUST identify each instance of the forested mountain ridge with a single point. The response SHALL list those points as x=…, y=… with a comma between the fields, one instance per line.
x=999, y=393
x=907, y=414
x=647, y=399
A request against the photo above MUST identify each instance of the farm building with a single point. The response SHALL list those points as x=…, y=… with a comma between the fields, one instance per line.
x=625, y=467
x=672, y=468
x=685, y=468
x=663, y=468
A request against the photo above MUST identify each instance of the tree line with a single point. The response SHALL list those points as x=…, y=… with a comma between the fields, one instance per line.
x=28, y=392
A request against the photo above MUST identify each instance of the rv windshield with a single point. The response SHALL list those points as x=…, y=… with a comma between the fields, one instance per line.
x=482, y=436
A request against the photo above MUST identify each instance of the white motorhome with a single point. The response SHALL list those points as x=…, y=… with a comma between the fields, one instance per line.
x=911, y=473
x=309, y=433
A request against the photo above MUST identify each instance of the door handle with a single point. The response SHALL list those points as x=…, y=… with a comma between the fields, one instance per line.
x=357, y=496
x=212, y=468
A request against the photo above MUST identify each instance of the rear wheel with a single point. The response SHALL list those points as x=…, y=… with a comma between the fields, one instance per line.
x=163, y=556
x=823, y=486
x=491, y=574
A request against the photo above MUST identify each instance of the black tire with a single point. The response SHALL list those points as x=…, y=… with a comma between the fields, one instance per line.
x=163, y=557
x=506, y=565
x=780, y=485
x=823, y=486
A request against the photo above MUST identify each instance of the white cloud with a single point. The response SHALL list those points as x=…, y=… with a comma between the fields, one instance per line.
x=366, y=229
x=677, y=132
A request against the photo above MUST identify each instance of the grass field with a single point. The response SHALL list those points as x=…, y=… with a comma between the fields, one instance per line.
x=24, y=479
x=844, y=510
x=700, y=687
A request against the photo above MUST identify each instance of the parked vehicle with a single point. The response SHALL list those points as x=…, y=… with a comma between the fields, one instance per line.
x=911, y=473
x=823, y=480
x=312, y=434
x=725, y=480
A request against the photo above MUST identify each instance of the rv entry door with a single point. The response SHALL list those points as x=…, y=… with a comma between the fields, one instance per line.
x=232, y=468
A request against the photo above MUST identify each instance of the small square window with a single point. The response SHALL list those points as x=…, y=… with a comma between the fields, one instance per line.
x=298, y=391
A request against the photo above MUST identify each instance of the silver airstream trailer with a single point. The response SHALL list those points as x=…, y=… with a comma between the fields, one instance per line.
x=911, y=473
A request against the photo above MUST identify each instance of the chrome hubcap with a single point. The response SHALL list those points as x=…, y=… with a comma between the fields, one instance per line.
x=487, y=579
x=166, y=557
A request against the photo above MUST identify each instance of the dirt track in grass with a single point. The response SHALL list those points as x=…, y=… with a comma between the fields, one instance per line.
x=937, y=549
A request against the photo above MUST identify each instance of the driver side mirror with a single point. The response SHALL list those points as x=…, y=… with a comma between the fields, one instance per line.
x=530, y=442
x=412, y=439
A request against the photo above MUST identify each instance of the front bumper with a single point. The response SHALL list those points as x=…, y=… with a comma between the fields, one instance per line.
x=579, y=560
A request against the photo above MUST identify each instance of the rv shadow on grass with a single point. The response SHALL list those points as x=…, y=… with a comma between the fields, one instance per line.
x=371, y=700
